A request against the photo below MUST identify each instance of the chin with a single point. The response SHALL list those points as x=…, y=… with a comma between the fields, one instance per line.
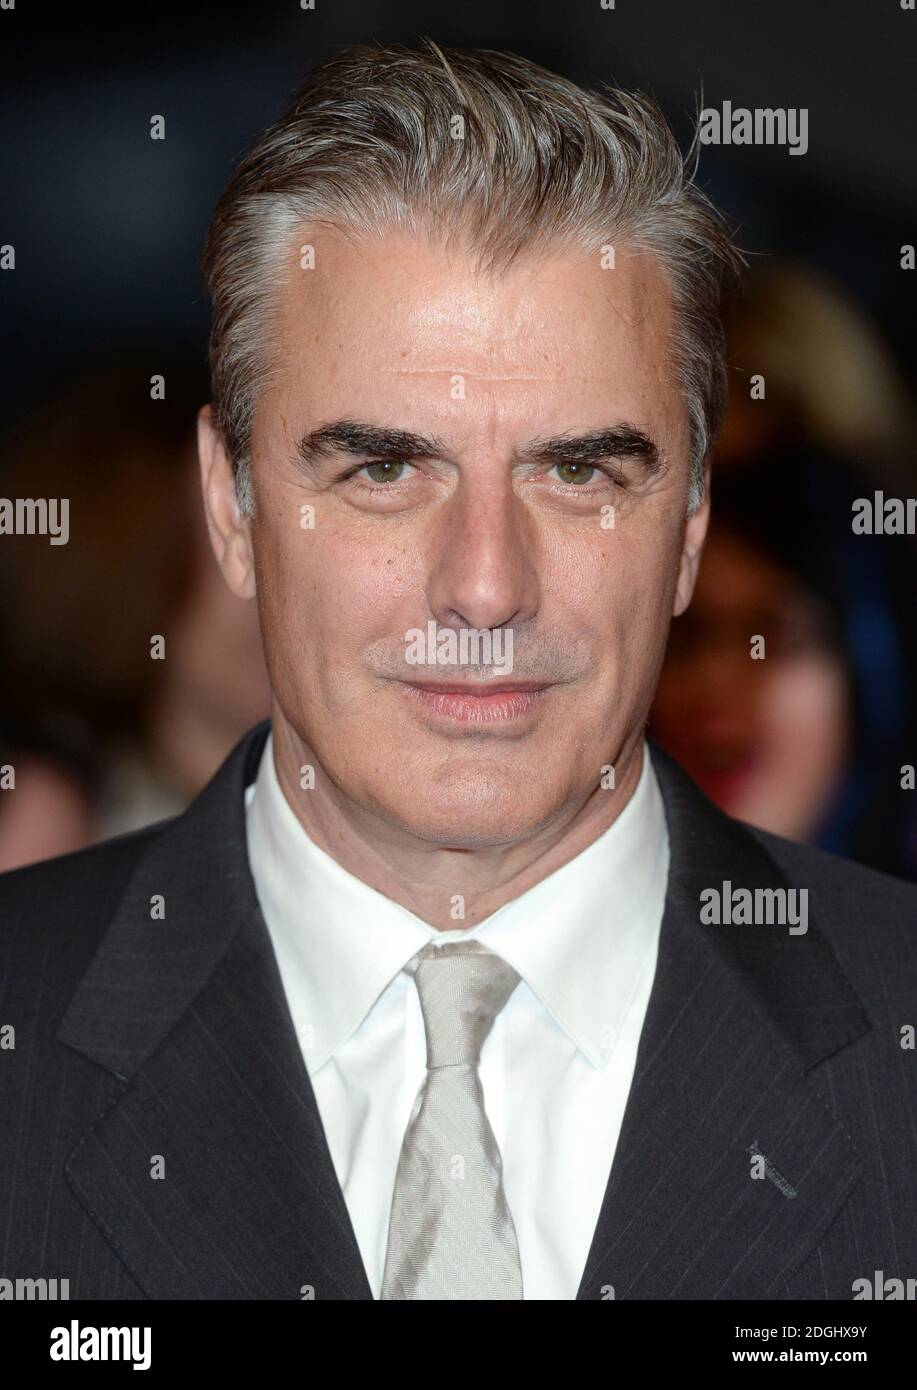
x=470, y=814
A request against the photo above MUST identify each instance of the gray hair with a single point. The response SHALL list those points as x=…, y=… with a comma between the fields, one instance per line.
x=473, y=145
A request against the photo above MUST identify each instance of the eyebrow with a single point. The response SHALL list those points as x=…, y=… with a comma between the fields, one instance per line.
x=617, y=441
x=361, y=440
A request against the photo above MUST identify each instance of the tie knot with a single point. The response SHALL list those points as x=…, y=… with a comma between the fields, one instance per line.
x=462, y=987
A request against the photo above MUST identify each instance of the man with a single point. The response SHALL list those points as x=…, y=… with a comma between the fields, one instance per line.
x=446, y=987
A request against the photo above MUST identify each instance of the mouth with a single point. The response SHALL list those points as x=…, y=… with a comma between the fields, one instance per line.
x=476, y=704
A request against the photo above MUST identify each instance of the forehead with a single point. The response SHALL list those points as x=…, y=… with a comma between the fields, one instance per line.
x=399, y=319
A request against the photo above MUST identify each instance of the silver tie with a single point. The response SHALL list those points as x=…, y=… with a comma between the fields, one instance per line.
x=451, y=1235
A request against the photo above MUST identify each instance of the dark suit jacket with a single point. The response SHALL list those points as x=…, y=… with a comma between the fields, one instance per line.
x=138, y=1038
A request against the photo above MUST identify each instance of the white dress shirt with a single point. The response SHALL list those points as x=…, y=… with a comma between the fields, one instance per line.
x=557, y=1066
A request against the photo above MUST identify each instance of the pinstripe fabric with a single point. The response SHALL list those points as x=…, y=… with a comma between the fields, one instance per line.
x=159, y=1137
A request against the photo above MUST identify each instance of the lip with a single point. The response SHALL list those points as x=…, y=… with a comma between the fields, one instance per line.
x=476, y=704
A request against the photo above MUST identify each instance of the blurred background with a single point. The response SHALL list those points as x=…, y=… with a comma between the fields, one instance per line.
x=813, y=742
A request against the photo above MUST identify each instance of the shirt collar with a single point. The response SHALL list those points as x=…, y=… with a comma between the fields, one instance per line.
x=582, y=939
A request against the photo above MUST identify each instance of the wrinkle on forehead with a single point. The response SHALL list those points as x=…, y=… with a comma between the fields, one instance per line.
x=486, y=376
x=459, y=294
x=383, y=330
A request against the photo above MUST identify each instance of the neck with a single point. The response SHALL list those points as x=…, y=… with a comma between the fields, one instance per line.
x=426, y=877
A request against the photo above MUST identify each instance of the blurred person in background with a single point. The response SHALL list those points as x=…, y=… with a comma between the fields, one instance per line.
x=104, y=738
x=829, y=377
x=809, y=741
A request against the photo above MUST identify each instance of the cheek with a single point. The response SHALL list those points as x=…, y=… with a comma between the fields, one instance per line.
x=619, y=588
x=635, y=584
x=324, y=596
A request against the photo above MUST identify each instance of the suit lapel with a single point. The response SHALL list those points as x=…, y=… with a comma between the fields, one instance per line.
x=210, y=1174
x=737, y=1018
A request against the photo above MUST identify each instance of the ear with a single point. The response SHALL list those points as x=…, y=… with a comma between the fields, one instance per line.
x=230, y=532
x=695, y=534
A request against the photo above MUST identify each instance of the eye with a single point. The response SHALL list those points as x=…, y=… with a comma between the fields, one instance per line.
x=384, y=470
x=575, y=473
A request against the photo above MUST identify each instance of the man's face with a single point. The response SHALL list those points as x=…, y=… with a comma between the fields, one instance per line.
x=471, y=512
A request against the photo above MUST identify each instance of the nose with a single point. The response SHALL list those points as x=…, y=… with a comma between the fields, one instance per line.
x=484, y=574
